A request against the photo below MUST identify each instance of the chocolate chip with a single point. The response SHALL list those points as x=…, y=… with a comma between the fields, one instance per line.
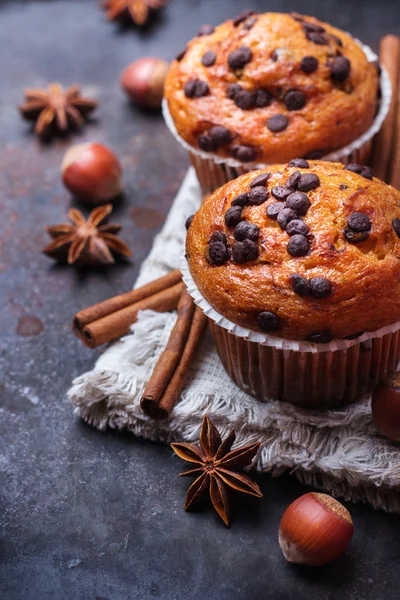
x=307, y=182
x=242, y=17
x=297, y=226
x=209, y=58
x=317, y=38
x=206, y=30
x=294, y=100
x=233, y=215
x=396, y=226
x=246, y=231
x=189, y=222
x=300, y=163
x=218, y=253
x=340, y=68
x=274, y=209
x=261, y=180
x=299, y=202
x=337, y=40
x=268, y=321
x=298, y=244
x=232, y=90
x=205, y=142
x=239, y=58
x=315, y=155
x=275, y=55
x=244, y=153
x=258, y=195
x=343, y=186
x=359, y=222
x=293, y=180
x=195, y=88
x=280, y=192
x=241, y=200
x=181, y=54
x=245, y=99
x=285, y=216
x=277, y=123
x=245, y=251
x=355, y=237
x=362, y=170
x=310, y=26
x=250, y=23
x=300, y=285
x=220, y=135
x=309, y=64
x=322, y=337
x=218, y=236
x=262, y=98
x=297, y=17
x=320, y=287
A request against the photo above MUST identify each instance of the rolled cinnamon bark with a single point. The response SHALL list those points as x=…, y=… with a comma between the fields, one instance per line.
x=171, y=355
x=389, y=56
x=116, y=324
x=163, y=409
x=102, y=309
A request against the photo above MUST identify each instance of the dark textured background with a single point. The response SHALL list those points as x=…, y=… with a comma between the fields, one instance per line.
x=91, y=516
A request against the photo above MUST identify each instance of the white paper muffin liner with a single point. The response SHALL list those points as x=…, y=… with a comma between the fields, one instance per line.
x=306, y=374
x=214, y=171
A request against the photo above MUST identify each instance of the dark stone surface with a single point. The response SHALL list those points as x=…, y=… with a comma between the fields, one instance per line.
x=91, y=516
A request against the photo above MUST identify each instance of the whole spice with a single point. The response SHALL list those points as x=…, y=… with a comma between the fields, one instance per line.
x=217, y=469
x=92, y=173
x=138, y=11
x=55, y=108
x=386, y=407
x=90, y=242
x=315, y=529
x=143, y=81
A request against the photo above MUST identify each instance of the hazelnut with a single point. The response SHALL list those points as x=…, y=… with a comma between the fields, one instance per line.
x=315, y=529
x=92, y=173
x=386, y=407
x=143, y=81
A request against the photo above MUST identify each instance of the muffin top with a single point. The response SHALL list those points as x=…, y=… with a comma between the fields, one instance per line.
x=264, y=88
x=305, y=251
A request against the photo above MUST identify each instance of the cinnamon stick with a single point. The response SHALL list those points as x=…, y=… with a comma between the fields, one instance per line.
x=394, y=163
x=389, y=56
x=171, y=394
x=117, y=323
x=102, y=309
x=171, y=355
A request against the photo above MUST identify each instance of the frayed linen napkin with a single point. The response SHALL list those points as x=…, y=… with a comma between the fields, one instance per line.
x=339, y=451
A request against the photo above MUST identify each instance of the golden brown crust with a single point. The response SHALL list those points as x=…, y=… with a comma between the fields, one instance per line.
x=335, y=112
x=365, y=276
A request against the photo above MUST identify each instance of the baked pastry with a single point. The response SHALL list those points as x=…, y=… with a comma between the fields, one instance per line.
x=309, y=250
x=263, y=88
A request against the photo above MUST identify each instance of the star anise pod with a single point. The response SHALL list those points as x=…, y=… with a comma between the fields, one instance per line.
x=86, y=242
x=218, y=469
x=55, y=108
x=138, y=10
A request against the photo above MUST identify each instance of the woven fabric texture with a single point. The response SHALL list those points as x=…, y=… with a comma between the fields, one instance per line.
x=339, y=451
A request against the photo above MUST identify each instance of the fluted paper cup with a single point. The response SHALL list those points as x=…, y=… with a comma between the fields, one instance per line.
x=214, y=171
x=305, y=374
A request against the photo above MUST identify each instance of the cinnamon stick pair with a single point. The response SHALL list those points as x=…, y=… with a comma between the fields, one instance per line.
x=386, y=155
x=168, y=378
x=112, y=318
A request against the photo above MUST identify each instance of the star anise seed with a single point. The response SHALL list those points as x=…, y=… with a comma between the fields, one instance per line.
x=86, y=242
x=138, y=10
x=56, y=108
x=218, y=470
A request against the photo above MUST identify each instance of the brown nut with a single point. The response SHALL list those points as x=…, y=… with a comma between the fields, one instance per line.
x=92, y=173
x=143, y=81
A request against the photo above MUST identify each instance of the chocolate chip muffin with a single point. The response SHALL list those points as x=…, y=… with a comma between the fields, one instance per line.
x=297, y=268
x=305, y=251
x=262, y=88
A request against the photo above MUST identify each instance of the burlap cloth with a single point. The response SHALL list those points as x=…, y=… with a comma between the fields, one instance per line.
x=339, y=451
